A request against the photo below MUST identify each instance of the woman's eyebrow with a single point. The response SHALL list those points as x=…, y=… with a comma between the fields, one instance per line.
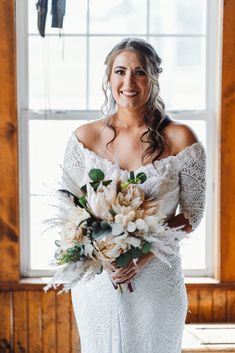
x=123, y=67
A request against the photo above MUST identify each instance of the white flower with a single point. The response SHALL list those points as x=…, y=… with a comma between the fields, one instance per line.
x=117, y=228
x=68, y=232
x=99, y=202
x=131, y=226
x=133, y=241
x=141, y=224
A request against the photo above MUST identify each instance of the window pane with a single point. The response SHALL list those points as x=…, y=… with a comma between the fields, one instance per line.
x=177, y=16
x=45, y=175
x=182, y=82
x=57, y=73
x=118, y=16
x=75, y=19
x=47, y=141
x=42, y=245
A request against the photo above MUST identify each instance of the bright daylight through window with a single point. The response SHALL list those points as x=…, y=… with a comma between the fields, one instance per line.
x=64, y=76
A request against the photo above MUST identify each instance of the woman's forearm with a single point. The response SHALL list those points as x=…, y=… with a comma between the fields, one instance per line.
x=180, y=220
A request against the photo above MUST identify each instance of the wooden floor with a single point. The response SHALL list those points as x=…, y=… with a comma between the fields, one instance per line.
x=213, y=338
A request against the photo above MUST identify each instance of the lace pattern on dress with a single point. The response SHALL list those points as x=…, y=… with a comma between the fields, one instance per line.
x=192, y=180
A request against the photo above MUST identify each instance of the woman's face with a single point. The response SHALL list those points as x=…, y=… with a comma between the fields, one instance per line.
x=130, y=85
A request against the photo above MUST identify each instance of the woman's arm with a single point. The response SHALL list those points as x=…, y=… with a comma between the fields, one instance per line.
x=180, y=220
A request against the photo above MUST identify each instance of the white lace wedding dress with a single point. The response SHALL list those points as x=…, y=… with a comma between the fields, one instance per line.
x=152, y=318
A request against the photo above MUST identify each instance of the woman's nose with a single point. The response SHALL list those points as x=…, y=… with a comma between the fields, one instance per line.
x=130, y=79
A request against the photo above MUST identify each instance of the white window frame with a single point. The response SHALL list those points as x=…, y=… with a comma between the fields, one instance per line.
x=210, y=115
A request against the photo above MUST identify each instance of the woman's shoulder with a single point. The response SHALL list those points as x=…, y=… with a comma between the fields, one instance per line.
x=88, y=133
x=179, y=136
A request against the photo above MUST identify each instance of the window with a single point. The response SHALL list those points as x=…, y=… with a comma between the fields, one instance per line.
x=59, y=88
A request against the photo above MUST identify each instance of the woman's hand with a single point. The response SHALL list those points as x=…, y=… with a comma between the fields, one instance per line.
x=126, y=275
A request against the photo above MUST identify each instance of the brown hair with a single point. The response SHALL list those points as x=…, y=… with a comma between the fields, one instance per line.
x=155, y=108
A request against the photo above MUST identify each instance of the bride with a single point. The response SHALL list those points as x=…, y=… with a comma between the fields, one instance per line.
x=137, y=133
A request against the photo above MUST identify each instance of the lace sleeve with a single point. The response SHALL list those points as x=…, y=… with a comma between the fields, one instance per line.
x=73, y=165
x=192, y=181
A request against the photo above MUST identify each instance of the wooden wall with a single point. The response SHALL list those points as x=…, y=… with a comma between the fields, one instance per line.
x=35, y=322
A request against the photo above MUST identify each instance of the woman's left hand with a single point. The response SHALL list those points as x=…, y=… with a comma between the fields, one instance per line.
x=126, y=275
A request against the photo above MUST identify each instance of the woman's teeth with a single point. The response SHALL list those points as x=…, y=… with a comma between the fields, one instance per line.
x=129, y=93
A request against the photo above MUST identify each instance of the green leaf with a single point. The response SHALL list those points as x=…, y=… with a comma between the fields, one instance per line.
x=95, y=184
x=105, y=225
x=82, y=201
x=136, y=252
x=142, y=177
x=100, y=233
x=124, y=259
x=96, y=175
x=146, y=247
x=100, y=270
x=132, y=175
x=106, y=182
x=84, y=188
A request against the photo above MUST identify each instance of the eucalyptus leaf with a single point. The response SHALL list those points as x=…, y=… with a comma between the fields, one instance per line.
x=95, y=184
x=96, y=175
x=124, y=259
x=82, y=201
x=136, y=252
x=146, y=247
x=132, y=175
x=100, y=270
x=106, y=182
x=142, y=177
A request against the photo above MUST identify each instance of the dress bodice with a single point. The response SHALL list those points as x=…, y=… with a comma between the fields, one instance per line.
x=176, y=180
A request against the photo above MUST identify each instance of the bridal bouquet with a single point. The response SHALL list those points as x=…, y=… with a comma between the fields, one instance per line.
x=106, y=221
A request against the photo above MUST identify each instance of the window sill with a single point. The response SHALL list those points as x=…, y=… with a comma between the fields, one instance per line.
x=37, y=283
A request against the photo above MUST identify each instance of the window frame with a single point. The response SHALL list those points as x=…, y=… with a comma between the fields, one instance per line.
x=210, y=115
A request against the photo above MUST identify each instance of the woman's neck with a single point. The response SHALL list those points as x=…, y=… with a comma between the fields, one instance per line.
x=127, y=119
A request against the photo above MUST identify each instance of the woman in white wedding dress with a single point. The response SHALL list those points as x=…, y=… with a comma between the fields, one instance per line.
x=137, y=135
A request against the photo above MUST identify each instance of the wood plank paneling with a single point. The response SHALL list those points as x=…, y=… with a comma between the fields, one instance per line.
x=231, y=306
x=205, y=305
x=6, y=326
x=227, y=219
x=192, y=315
x=63, y=323
x=34, y=322
x=75, y=339
x=20, y=322
x=219, y=305
x=9, y=224
x=49, y=339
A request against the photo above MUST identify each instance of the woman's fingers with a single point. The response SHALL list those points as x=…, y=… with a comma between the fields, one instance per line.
x=129, y=279
x=121, y=279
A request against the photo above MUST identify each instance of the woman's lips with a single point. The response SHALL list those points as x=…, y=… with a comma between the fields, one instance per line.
x=129, y=94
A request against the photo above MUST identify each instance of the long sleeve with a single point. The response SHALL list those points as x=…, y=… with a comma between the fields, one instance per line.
x=192, y=179
x=73, y=165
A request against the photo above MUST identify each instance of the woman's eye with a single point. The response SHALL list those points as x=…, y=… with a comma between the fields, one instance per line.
x=140, y=72
x=120, y=72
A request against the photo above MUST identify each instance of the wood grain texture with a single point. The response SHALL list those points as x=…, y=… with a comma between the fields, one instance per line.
x=9, y=224
x=63, y=323
x=231, y=306
x=205, y=306
x=75, y=339
x=192, y=315
x=227, y=226
x=6, y=324
x=20, y=319
x=219, y=305
x=34, y=322
x=49, y=339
